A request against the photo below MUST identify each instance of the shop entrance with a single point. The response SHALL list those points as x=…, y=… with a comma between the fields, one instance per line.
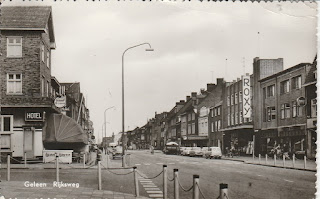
x=28, y=137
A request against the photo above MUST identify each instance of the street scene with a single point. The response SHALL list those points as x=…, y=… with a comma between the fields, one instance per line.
x=163, y=100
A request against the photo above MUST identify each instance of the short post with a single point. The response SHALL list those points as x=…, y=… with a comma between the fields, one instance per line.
x=57, y=168
x=136, y=184
x=84, y=160
x=128, y=159
x=259, y=158
x=294, y=160
x=274, y=159
x=176, y=184
x=284, y=160
x=195, y=187
x=25, y=159
x=124, y=160
x=8, y=168
x=305, y=162
x=223, y=191
x=99, y=175
x=266, y=158
x=165, y=183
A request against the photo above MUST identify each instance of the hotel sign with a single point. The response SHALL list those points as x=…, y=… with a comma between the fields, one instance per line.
x=246, y=110
x=34, y=116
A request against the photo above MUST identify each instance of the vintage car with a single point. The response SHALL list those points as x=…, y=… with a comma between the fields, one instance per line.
x=213, y=152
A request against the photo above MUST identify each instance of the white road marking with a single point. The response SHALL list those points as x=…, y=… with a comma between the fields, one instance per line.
x=152, y=188
x=147, y=164
x=155, y=195
x=287, y=180
x=159, y=163
x=171, y=163
x=149, y=186
x=137, y=164
x=260, y=175
x=159, y=192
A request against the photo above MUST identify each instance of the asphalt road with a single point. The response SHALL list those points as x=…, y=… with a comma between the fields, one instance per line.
x=245, y=181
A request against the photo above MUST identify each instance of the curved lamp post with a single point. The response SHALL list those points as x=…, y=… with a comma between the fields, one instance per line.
x=123, y=133
x=105, y=122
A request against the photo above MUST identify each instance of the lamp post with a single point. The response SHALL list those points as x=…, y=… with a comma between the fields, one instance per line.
x=123, y=133
x=105, y=122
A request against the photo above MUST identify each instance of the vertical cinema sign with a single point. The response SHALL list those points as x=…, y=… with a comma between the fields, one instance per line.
x=246, y=96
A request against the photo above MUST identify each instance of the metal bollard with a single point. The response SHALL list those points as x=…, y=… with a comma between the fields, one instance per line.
x=259, y=158
x=84, y=160
x=195, y=187
x=99, y=175
x=266, y=158
x=124, y=161
x=136, y=184
x=294, y=160
x=25, y=159
x=165, y=183
x=305, y=162
x=8, y=168
x=176, y=184
x=284, y=160
x=223, y=191
x=274, y=159
x=57, y=168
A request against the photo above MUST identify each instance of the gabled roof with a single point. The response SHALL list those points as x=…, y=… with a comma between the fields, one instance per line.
x=27, y=18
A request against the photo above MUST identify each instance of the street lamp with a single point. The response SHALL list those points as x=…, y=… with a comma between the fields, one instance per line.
x=123, y=133
x=105, y=122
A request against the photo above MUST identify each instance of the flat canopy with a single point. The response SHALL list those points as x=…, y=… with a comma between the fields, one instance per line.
x=63, y=129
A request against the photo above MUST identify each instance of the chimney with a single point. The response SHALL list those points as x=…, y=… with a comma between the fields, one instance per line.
x=238, y=79
x=188, y=98
x=220, y=81
x=210, y=87
x=194, y=94
x=203, y=91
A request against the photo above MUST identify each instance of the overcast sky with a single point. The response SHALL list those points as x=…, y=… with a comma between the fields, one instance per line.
x=191, y=42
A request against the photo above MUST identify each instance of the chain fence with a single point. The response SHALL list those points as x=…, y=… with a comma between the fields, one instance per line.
x=149, y=178
x=184, y=189
x=200, y=191
x=109, y=170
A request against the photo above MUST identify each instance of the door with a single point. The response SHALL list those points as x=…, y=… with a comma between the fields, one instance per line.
x=28, y=142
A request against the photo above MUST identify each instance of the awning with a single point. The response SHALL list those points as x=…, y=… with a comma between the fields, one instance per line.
x=63, y=129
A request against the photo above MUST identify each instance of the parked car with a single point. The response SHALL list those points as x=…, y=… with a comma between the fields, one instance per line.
x=195, y=151
x=171, y=148
x=117, y=152
x=213, y=152
x=182, y=149
x=186, y=151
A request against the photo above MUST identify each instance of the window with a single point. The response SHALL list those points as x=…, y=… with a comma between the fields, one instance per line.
x=42, y=53
x=240, y=117
x=14, y=47
x=296, y=82
x=264, y=93
x=48, y=59
x=314, y=108
x=42, y=86
x=189, y=129
x=294, y=109
x=216, y=125
x=212, y=112
x=193, y=128
x=47, y=89
x=219, y=124
x=228, y=101
x=14, y=83
x=240, y=96
x=189, y=117
x=212, y=127
x=287, y=110
x=284, y=87
x=282, y=111
x=232, y=99
x=299, y=110
x=228, y=119
x=236, y=118
x=232, y=118
x=270, y=91
x=271, y=113
x=219, y=110
x=193, y=116
x=236, y=98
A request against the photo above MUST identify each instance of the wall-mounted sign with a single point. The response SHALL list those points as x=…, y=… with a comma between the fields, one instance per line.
x=65, y=156
x=60, y=101
x=34, y=116
x=301, y=101
x=246, y=110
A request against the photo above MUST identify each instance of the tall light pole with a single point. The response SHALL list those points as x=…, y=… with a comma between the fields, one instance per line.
x=123, y=133
x=105, y=122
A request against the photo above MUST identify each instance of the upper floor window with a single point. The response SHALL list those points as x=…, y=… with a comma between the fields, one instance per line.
x=232, y=118
x=228, y=120
x=47, y=89
x=212, y=110
x=228, y=101
x=42, y=53
x=189, y=117
x=218, y=110
x=296, y=82
x=193, y=116
x=236, y=98
x=14, y=83
x=48, y=59
x=314, y=108
x=42, y=86
x=294, y=109
x=212, y=127
x=240, y=117
x=284, y=87
x=285, y=111
x=14, y=47
x=240, y=96
x=270, y=91
x=236, y=118
x=271, y=113
x=232, y=99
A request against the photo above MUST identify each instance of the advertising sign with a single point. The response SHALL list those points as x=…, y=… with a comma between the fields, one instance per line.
x=60, y=101
x=65, y=156
x=246, y=97
x=34, y=116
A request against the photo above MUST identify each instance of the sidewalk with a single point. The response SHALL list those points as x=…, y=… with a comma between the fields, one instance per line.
x=17, y=190
x=299, y=164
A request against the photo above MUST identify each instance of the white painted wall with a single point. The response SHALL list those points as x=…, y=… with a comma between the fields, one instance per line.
x=17, y=142
x=37, y=141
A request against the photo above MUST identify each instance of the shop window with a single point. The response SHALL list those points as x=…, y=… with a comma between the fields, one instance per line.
x=314, y=108
x=14, y=47
x=296, y=82
x=14, y=83
x=284, y=87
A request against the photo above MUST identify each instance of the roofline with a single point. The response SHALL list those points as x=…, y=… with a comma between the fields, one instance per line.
x=36, y=29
